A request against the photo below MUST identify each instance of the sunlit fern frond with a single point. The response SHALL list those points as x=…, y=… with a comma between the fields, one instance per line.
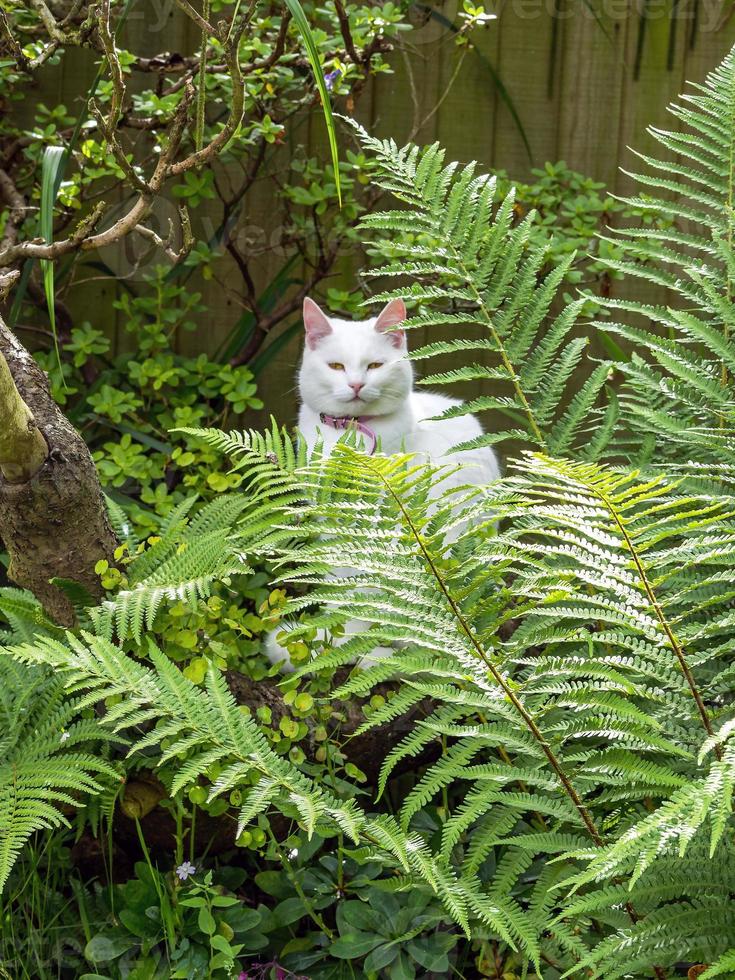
x=676, y=866
x=570, y=659
x=182, y=565
x=535, y=723
x=723, y=966
x=648, y=562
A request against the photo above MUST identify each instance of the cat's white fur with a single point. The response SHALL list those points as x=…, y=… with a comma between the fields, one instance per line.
x=359, y=369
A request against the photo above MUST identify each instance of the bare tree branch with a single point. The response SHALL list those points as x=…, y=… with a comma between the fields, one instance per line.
x=278, y=48
x=119, y=153
x=200, y=157
x=344, y=26
x=197, y=18
x=114, y=117
x=8, y=281
x=166, y=244
x=37, y=248
x=49, y=21
x=113, y=63
x=72, y=13
x=82, y=238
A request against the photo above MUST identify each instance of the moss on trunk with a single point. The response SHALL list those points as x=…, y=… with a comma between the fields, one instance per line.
x=53, y=520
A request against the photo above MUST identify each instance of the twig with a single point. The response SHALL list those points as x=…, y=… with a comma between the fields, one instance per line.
x=118, y=152
x=344, y=26
x=188, y=240
x=200, y=157
x=447, y=89
x=113, y=62
x=73, y=11
x=203, y=24
x=49, y=21
x=82, y=238
x=278, y=49
x=15, y=47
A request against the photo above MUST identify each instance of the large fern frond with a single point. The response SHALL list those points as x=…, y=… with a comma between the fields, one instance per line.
x=680, y=395
x=617, y=590
x=197, y=728
x=182, y=565
x=475, y=270
x=655, y=560
x=47, y=763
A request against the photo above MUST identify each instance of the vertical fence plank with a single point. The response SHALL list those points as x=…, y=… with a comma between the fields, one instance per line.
x=529, y=63
x=653, y=78
x=591, y=91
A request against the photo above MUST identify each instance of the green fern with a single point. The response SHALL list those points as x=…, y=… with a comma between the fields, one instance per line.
x=24, y=615
x=406, y=586
x=679, y=397
x=204, y=727
x=570, y=627
x=183, y=564
x=659, y=561
x=475, y=269
x=48, y=765
x=616, y=585
x=723, y=966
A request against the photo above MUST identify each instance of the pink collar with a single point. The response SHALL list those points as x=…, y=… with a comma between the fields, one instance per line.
x=348, y=421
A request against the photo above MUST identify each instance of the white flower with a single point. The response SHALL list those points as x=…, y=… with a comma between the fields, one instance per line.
x=185, y=870
x=64, y=736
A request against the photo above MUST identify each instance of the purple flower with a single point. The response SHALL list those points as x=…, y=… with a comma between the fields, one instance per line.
x=331, y=78
x=185, y=870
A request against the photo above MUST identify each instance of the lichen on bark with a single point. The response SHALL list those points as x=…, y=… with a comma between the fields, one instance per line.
x=23, y=449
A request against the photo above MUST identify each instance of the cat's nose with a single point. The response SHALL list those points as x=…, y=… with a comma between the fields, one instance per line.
x=357, y=386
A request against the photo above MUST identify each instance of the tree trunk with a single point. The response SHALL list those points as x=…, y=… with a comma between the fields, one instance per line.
x=53, y=519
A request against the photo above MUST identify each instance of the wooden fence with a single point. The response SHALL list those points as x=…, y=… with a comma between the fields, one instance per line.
x=585, y=77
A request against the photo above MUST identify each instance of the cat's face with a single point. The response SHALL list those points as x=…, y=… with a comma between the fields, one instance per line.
x=355, y=367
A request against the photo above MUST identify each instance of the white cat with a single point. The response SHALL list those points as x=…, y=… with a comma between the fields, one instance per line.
x=355, y=374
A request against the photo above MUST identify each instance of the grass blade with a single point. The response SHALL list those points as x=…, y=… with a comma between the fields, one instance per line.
x=51, y=175
x=312, y=52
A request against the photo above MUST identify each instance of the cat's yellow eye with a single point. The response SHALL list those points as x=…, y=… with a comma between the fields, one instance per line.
x=375, y=364
x=336, y=366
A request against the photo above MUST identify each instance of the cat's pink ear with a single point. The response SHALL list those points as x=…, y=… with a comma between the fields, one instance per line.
x=391, y=316
x=316, y=324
